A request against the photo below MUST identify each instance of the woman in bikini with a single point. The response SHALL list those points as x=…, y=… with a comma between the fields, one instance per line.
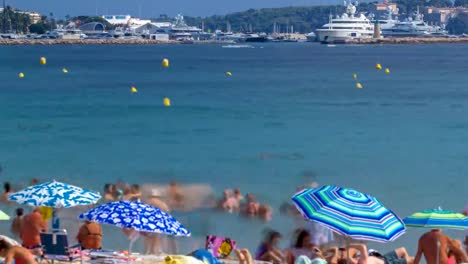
x=19, y=254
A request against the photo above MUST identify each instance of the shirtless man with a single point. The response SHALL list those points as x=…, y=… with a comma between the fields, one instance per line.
x=427, y=246
x=31, y=228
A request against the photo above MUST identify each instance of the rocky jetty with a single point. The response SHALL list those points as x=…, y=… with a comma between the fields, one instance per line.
x=83, y=42
x=408, y=40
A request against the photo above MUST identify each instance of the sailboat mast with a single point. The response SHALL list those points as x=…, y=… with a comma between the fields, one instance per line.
x=4, y=17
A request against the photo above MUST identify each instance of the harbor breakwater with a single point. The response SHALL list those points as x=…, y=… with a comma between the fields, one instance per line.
x=84, y=42
x=408, y=40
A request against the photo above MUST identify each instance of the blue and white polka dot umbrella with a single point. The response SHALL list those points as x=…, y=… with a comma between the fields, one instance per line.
x=136, y=215
x=54, y=194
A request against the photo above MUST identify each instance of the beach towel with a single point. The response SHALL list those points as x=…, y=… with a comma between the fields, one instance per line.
x=179, y=259
x=306, y=260
x=220, y=247
x=206, y=257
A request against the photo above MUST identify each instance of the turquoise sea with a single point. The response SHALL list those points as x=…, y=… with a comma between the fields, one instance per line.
x=402, y=138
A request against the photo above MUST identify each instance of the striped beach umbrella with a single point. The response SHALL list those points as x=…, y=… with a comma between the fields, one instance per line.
x=437, y=219
x=349, y=213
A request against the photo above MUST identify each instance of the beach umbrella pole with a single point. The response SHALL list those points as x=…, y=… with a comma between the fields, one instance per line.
x=438, y=251
x=55, y=220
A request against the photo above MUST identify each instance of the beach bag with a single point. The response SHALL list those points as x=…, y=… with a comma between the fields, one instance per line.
x=46, y=213
x=220, y=247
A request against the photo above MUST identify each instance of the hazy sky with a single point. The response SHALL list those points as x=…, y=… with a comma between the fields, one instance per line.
x=153, y=8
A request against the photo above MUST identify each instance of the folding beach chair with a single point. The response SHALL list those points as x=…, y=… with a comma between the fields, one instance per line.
x=55, y=247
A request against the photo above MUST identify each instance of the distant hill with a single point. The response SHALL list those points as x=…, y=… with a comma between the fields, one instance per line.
x=303, y=19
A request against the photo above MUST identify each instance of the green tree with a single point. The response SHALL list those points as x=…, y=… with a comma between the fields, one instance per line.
x=463, y=3
x=440, y=3
x=39, y=28
x=458, y=25
x=13, y=21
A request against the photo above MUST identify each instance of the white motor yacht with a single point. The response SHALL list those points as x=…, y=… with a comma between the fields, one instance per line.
x=345, y=27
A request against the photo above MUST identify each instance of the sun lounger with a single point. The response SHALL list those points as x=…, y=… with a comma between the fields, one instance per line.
x=55, y=247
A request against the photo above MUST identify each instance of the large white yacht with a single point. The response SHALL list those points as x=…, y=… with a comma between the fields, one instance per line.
x=413, y=27
x=346, y=26
x=387, y=22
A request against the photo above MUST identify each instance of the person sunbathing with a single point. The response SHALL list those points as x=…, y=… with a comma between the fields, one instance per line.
x=302, y=247
x=90, y=235
x=397, y=256
x=268, y=249
x=244, y=256
x=19, y=255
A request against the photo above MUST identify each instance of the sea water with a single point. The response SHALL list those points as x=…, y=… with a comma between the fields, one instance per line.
x=286, y=111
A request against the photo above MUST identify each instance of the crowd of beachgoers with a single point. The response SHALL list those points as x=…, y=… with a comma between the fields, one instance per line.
x=305, y=247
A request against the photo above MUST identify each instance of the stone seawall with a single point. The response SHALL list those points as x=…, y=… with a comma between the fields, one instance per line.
x=427, y=40
x=83, y=42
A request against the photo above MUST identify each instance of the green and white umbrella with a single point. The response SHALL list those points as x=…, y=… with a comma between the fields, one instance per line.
x=437, y=219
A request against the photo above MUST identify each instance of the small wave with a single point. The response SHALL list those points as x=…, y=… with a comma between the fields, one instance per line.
x=205, y=130
x=456, y=106
x=273, y=124
x=456, y=126
x=343, y=104
x=31, y=128
x=386, y=104
x=415, y=104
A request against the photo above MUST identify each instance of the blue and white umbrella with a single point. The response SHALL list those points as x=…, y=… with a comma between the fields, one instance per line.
x=54, y=194
x=137, y=216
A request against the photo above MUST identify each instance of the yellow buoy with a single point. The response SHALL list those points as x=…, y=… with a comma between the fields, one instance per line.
x=165, y=63
x=65, y=70
x=387, y=70
x=167, y=102
x=354, y=76
x=21, y=75
x=134, y=90
x=43, y=60
x=359, y=85
x=378, y=66
x=229, y=73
